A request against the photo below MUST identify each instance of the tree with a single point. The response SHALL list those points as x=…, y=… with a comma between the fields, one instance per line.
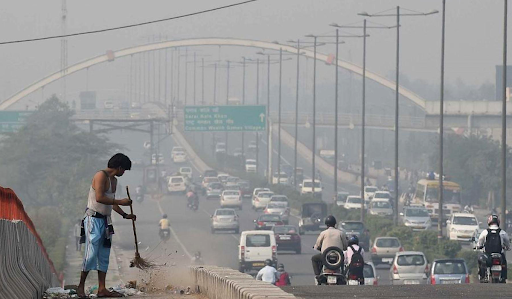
x=50, y=161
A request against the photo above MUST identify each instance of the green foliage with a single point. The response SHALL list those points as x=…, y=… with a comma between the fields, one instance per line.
x=50, y=161
x=471, y=258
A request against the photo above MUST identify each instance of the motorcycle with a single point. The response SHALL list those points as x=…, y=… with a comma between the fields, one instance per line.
x=332, y=271
x=193, y=202
x=493, y=268
x=165, y=235
x=197, y=259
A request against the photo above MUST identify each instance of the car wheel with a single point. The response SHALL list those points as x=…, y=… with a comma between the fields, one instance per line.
x=241, y=268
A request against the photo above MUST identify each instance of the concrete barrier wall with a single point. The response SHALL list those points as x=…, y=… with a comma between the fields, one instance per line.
x=24, y=270
x=224, y=283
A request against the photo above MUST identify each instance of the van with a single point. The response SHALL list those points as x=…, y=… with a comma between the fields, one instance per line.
x=255, y=247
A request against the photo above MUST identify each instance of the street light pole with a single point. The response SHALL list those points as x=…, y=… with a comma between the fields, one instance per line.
x=202, y=96
x=314, y=118
x=269, y=153
x=257, y=103
x=441, y=131
x=336, y=120
x=397, y=96
x=363, y=115
x=243, y=100
x=504, y=120
x=227, y=103
x=279, y=118
x=296, y=118
x=194, y=93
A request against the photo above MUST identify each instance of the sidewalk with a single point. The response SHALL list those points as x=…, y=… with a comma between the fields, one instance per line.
x=74, y=261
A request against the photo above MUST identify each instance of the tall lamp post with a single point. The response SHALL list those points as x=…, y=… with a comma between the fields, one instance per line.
x=397, y=91
x=363, y=112
x=504, y=119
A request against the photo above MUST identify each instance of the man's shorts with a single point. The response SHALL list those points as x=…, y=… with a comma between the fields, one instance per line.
x=96, y=255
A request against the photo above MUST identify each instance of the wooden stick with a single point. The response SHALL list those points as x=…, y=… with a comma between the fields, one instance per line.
x=133, y=224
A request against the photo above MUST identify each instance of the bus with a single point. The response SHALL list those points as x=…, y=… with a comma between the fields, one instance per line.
x=427, y=195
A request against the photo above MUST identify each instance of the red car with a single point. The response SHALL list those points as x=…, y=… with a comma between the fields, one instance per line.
x=287, y=238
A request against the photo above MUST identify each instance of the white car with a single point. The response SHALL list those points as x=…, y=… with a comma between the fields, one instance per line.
x=353, y=202
x=250, y=165
x=208, y=180
x=220, y=148
x=223, y=177
x=231, y=181
x=380, y=207
x=416, y=217
x=382, y=195
x=176, y=149
x=231, y=198
x=186, y=171
x=462, y=226
x=307, y=187
x=258, y=190
x=179, y=157
x=261, y=200
x=157, y=159
x=176, y=184
x=280, y=178
x=369, y=192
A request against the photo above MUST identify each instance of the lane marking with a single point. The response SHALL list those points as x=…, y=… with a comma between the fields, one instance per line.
x=173, y=232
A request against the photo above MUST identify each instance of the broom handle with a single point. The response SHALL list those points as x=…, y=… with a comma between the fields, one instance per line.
x=133, y=224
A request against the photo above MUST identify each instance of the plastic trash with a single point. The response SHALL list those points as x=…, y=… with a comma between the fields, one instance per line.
x=57, y=291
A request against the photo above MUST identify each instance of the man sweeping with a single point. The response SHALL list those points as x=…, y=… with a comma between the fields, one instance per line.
x=97, y=222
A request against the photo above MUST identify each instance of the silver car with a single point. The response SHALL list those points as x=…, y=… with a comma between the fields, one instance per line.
x=449, y=271
x=278, y=208
x=225, y=219
x=409, y=267
x=416, y=218
x=214, y=190
x=380, y=207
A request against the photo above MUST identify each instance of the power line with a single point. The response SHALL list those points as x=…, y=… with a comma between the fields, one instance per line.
x=127, y=26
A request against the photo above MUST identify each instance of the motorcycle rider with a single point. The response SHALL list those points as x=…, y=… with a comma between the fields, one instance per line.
x=164, y=226
x=284, y=277
x=268, y=273
x=192, y=198
x=491, y=244
x=331, y=237
x=354, y=258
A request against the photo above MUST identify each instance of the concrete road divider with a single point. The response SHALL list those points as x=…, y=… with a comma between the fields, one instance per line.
x=225, y=283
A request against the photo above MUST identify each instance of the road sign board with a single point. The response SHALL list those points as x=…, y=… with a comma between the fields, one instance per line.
x=11, y=121
x=225, y=118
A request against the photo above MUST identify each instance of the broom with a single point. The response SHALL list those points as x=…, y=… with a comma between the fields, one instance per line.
x=138, y=261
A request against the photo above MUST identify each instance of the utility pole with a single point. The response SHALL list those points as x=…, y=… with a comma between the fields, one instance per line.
x=243, y=101
x=227, y=103
x=296, y=119
x=279, y=118
x=504, y=120
x=269, y=131
x=64, y=49
x=441, y=131
x=257, y=103
x=336, y=127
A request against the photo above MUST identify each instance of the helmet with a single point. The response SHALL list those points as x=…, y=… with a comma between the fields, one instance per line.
x=330, y=221
x=268, y=262
x=164, y=215
x=280, y=267
x=353, y=240
x=493, y=219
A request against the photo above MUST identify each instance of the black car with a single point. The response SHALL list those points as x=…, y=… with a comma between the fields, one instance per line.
x=267, y=222
x=357, y=228
x=287, y=238
x=210, y=173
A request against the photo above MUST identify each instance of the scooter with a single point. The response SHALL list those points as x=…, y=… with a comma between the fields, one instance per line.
x=165, y=235
x=193, y=203
x=332, y=271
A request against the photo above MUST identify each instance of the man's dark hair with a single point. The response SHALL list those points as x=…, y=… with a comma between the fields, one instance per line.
x=120, y=160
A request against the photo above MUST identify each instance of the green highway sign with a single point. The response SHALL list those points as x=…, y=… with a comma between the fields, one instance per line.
x=12, y=121
x=225, y=118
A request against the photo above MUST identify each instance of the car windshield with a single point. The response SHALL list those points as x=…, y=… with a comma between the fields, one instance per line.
x=232, y=179
x=381, y=205
x=279, y=199
x=216, y=186
x=265, y=194
x=270, y=218
x=257, y=240
x=388, y=243
x=176, y=180
x=250, y=162
x=224, y=212
x=243, y=184
x=185, y=169
x=276, y=205
x=210, y=180
x=341, y=197
x=450, y=267
x=411, y=260
x=368, y=271
x=354, y=200
x=310, y=184
x=177, y=149
x=231, y=193
x=353, y=226
x=210, y=173
x=416, y=213
x=382, y=195
x=370, y=189
x=257, y=191
x=465, y=221
x=285, y=229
